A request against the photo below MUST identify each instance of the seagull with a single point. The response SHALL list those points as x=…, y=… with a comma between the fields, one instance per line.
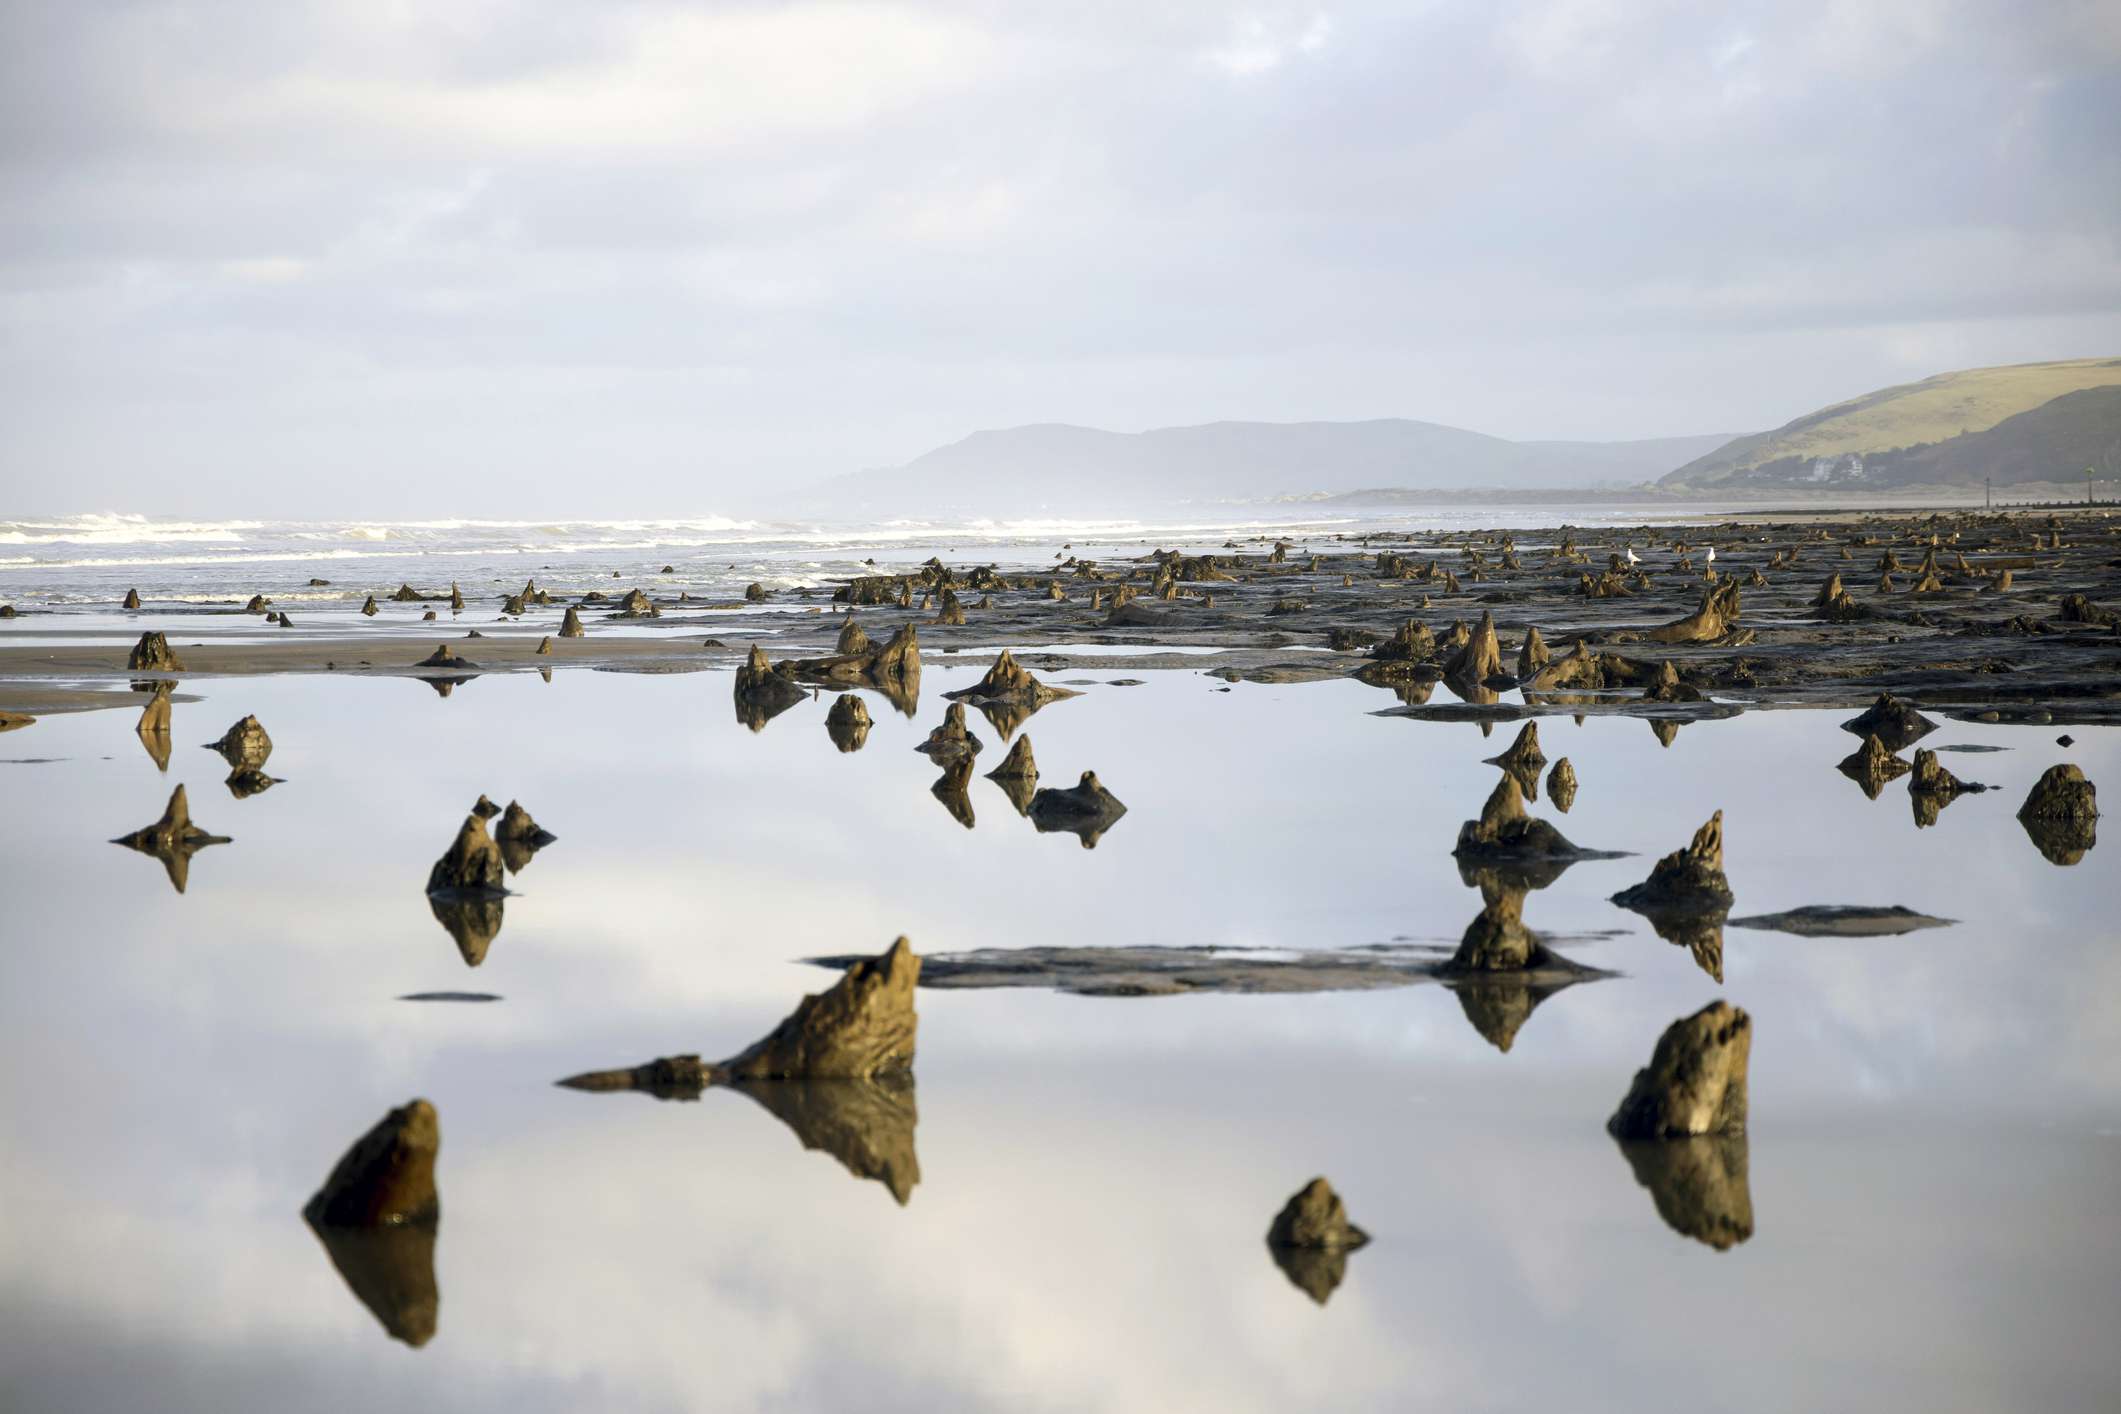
x=1712, y=554
x=1633, y=558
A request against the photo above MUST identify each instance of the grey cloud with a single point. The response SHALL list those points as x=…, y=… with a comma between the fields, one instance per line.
x=689, y=242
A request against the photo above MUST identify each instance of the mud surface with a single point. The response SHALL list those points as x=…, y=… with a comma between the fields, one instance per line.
x=1925, y=612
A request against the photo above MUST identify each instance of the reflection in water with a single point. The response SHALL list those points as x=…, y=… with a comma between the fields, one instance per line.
x=1990, y=1049
x=865, y=1124
x=1005, y=715
x=247, y=781
x=1700, y=1185
x=1085, y=810
x=1700, y=933
x=173, y=839
x=376, y=1215
x=949, y=788
x=1311, y=1237
x=473, y=920
x=1315, y=1271
x=1019, y=789
x=392, y=1272
x=847, y=724
x=1871, y=766
x=2063, y=842
x=1665, y=729
x=464, y=887
x=1498, y=1006
x=2061, y=814
x=154, y=726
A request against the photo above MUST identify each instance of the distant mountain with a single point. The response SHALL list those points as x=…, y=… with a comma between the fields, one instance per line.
x=2017, y=423
x=1056, y=468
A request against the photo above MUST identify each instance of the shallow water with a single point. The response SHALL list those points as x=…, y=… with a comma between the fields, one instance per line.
x=1936, y=1118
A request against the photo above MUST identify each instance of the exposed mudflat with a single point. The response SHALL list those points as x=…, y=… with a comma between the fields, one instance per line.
x=1843, y=921
x=1994, y=617
x=1174, y=971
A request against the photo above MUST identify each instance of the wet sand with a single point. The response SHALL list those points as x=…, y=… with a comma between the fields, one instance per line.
x=1962, y=639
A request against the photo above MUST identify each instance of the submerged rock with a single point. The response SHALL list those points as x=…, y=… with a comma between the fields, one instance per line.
x=1019, y=764
x=1085, y=810
x=764, y=691
x=1505, y=831
x=387, y=1179
x=894, y=669
x=1932, y=787
x=368, y=607
x=1561, y=785
x=444, y=657
x=152, y=655
x=1695, y=1082
x=132, y=599
x=1871, y=766
x=244, y=744
x=173, y=839
x=520, y=838
x=1700, y=1185
x=950, y=741
x=154, y=724
x=2061, y=815
x=2061, y=793
x=1819, y=920
x=377, y=1216
x=1895, y=724
x=1008, y=681
x=1523, y=759
x=863, y=1026
x=1314, y=1216
x=472, y=863
x=848, y=722
x=1686, y=880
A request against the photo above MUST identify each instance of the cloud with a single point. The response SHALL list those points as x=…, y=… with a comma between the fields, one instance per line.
x=1257, y=45
x=236, y=240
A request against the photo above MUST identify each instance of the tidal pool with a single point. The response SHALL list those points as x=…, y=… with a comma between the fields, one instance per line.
x=1924, y=1213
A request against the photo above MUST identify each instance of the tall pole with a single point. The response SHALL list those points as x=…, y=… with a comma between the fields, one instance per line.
x=1988, y=493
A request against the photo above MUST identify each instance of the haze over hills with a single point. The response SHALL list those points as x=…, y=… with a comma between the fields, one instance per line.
x=1058, y=468
x=2016, y=424
x=2019, y=423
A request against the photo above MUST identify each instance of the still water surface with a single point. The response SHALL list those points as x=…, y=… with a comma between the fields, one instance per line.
x=1932, y=1159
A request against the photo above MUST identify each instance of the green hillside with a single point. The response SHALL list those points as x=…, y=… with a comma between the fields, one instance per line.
x=1870, y=441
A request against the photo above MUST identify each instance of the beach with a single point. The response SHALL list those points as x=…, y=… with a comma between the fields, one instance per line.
x=1136, y=1038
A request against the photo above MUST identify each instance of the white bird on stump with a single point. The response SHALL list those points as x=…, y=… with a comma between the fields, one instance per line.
x=1633, y=558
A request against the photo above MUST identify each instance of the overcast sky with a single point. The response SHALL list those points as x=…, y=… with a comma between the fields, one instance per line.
x=389, y=257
